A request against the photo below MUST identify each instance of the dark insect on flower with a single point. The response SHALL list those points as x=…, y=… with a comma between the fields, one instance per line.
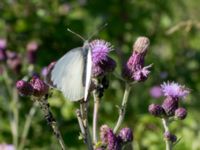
x=126, y=135
x=156, y=110
x=24, y=88
x=40, y=87
x=170, y=105
x=170, y=137
x=181, y=113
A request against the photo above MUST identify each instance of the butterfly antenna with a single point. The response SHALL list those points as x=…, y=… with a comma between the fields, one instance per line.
x=98, y=30
x=78, y=35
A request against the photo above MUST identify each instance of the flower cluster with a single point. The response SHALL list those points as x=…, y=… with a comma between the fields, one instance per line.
x=35, y=87
x=113, y=141
x=134, y=69
x=170, y=108
x=102, y=63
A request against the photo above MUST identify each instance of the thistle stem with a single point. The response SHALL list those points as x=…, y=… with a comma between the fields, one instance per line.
x=122, y=109
x=27, y=125
x=51, y=120
x=166, y=128
x=95, y=116
x=84, y=118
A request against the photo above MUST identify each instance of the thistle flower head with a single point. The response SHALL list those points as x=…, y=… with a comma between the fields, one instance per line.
x=24, y=88
x=170, y=105
x=174, y=90
x=40, y=88
x=155, y=92
x=134, y=69
x=14, y=61
x=170, y=137
x=156, y=110
x=32, y=48
x=126, y=135
x=100, y=50
x=3, y=44
x=181, y=113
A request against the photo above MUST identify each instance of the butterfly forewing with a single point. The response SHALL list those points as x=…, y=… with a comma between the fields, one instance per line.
x=67, y=74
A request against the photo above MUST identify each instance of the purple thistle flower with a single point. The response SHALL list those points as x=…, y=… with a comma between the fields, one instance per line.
x=109, y=139
x=101, y=62
x=3, y=44
x=100, y=50
x=24, y=88
x=181, y=113
x=170, y=105
x=126, y=135
x=134, y=69
x=155, y=92
x=174, y=90
x=156, y=110
x=40, y=87
x=7, y=147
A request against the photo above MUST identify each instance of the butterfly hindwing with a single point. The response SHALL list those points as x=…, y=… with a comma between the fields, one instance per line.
x=67, y=74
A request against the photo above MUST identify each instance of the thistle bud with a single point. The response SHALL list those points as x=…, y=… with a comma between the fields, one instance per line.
x=40, y=88
x=14, y=61
x=181, y=113
x=126, y=135
x=32, y=48
x=156, y=110
x=24, y=88
x=170, y=137
x=170, y=105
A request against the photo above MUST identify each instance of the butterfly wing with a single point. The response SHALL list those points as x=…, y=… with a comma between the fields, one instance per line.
x=88, y=73
x=67, y=74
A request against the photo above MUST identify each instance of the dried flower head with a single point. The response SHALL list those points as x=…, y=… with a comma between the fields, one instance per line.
x=24, y=88
x=174, y=90
x=181, y=113
x=126, y=135
x=134, y=69
x=40, y=87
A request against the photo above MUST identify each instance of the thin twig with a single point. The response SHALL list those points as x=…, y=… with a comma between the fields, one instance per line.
x=122, y=109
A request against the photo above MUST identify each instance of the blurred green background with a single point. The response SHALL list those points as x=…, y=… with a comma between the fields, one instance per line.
x=174, y=31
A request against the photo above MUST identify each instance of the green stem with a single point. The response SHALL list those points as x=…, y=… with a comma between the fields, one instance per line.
x=95, y=116
x=122, y=109
x=27, y=125
x=13, y=95
x=166, y=128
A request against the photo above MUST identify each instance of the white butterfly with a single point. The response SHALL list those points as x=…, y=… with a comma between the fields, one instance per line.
x=72, y=73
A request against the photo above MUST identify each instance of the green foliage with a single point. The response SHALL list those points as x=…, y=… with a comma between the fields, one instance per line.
x=173, y=29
